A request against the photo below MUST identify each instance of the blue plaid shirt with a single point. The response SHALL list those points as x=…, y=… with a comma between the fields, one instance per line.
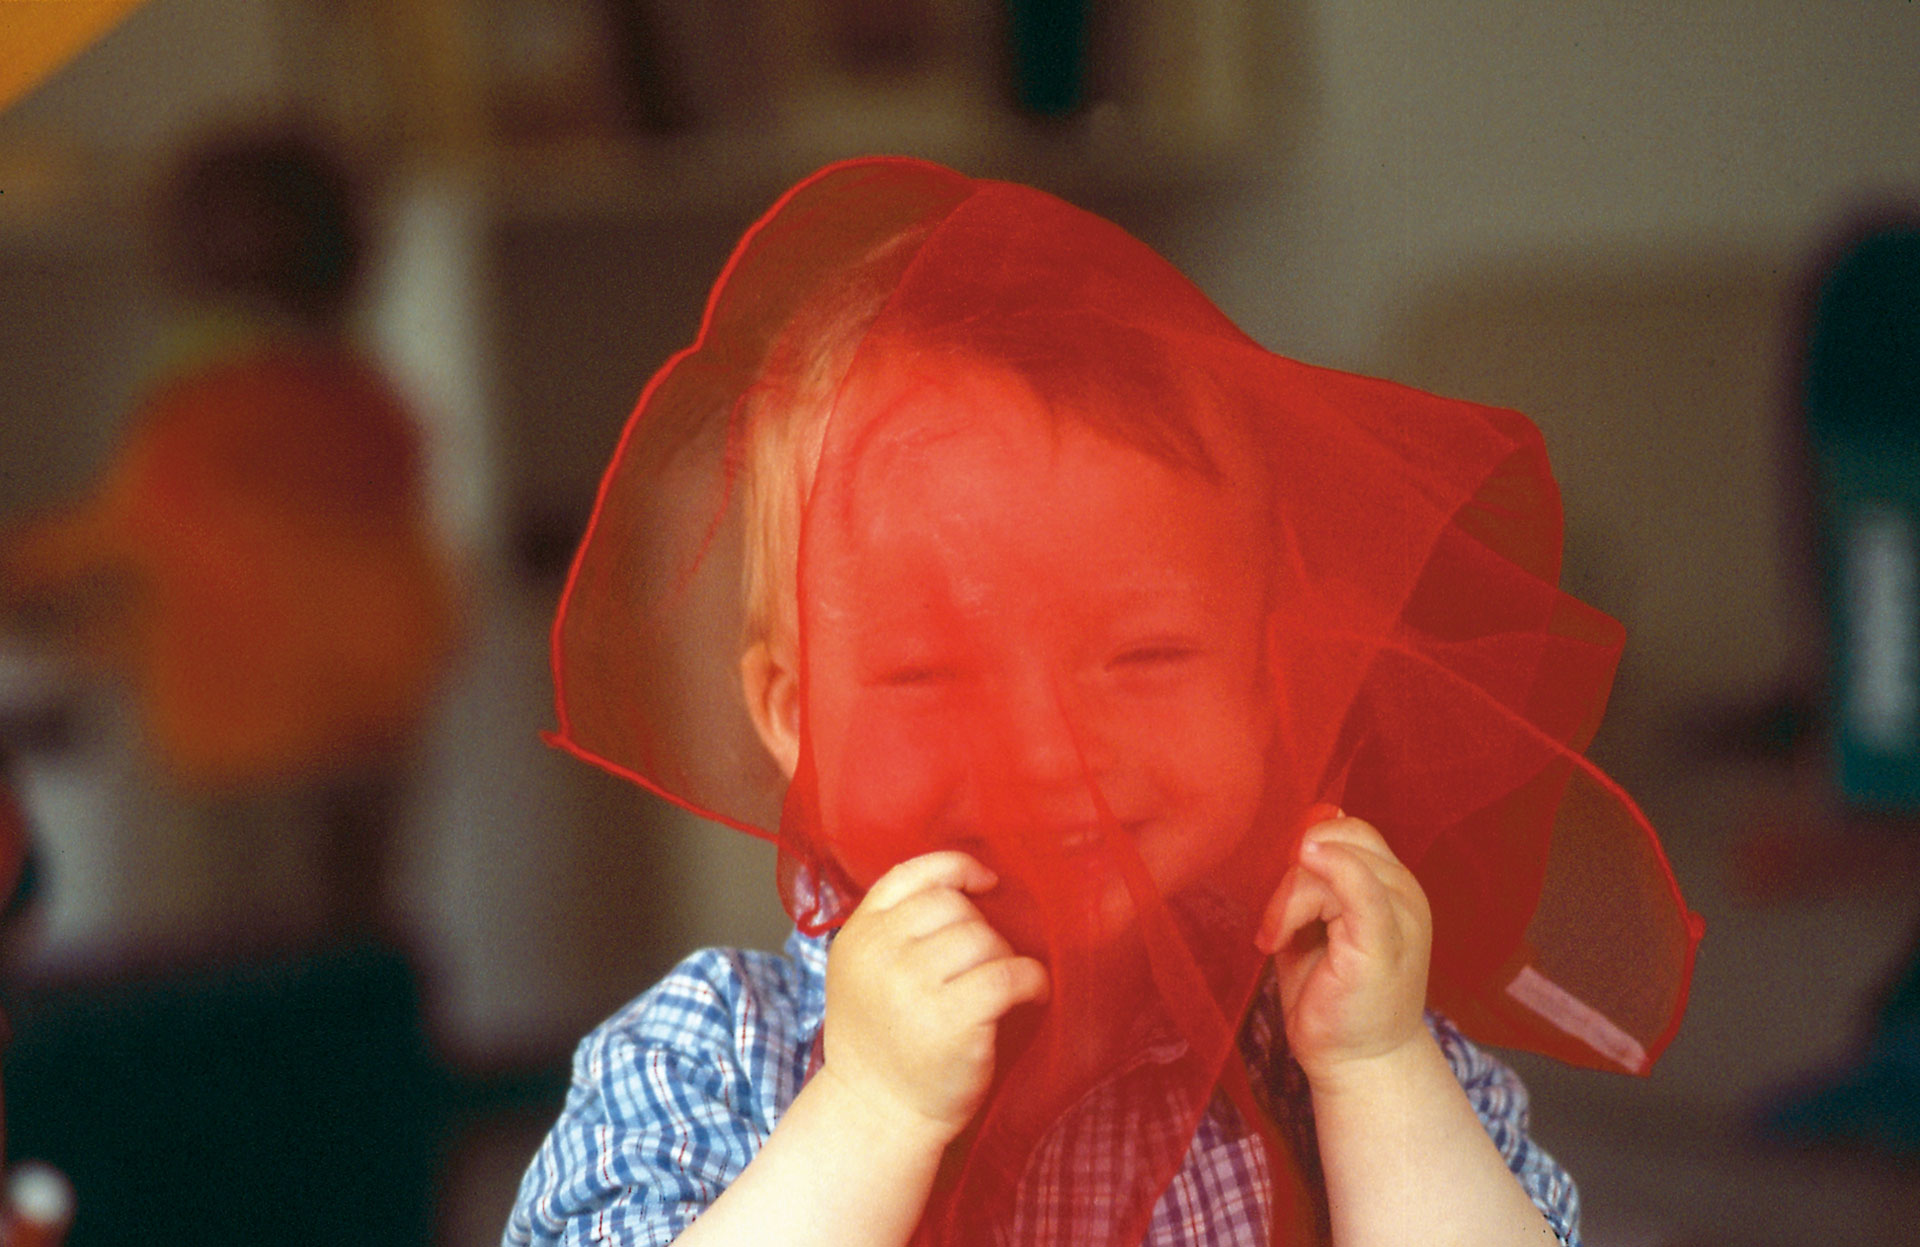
x=673, y=1095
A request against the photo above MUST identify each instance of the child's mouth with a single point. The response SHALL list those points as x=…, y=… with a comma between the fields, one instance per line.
x=1066, y=865
x=1041, y=850
x=1063, y=844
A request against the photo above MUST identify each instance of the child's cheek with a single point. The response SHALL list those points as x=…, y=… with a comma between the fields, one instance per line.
x=1214, y=733
x=1211, y=769
x=895, y=789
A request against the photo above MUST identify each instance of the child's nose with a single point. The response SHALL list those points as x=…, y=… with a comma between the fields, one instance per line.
x=1046, y=750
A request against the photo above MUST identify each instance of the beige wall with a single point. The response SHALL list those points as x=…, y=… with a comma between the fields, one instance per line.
x=1433, y=137
x=1596, y=212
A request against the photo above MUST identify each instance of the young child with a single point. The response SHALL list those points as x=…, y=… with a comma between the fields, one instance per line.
x=1071, y=618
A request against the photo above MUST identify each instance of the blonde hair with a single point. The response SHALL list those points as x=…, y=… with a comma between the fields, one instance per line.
x=785, y=414
x=786, y=409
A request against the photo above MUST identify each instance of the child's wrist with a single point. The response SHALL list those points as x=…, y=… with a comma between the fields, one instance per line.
x=878, y=1119
x=1383, y=1072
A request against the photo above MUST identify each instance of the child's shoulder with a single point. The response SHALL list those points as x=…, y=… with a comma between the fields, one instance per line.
x=673, y=1094
x=726, y=1004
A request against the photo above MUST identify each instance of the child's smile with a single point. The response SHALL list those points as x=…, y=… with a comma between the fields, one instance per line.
x=1036, y=644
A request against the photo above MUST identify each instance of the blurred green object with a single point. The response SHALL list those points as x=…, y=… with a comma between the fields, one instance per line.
x=293, y=1100
x=1049, y=39
x=1863, y=425
x=288, y=1102
x=1873, y=1102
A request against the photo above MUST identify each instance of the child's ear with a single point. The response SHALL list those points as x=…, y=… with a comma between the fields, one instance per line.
x=773, y=701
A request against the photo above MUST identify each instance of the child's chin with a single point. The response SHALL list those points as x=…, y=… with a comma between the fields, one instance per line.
x=1054, y=934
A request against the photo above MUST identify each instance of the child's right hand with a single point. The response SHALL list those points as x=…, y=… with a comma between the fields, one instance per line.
x=1350, y=932
x=917, y=983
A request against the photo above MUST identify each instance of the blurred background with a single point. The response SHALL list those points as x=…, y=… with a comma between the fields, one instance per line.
x=1612, y=216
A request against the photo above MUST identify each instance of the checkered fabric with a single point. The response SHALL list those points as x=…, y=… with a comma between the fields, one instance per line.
x=674, y=1095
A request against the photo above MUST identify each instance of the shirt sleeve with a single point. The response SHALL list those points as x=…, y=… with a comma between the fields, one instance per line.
x=657, y=1123
x=1499, y=1099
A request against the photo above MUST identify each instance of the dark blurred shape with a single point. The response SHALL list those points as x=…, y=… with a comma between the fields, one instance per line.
x=268, y=216
x=291, y=1098
x=1859, y=481
x=291, y=1101
x=1862, y=403
x=295, y=1100
x=654, y=99
x=544, y=540
x=879, y=36
x=15, y=873
x=46, y=728
x=1873, y=1103
x=1864, y=378
x=1049, y=55
x=679, y=66
x=1774, y=726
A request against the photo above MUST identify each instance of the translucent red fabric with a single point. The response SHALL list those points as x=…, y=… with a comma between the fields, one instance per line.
x=1094, y=587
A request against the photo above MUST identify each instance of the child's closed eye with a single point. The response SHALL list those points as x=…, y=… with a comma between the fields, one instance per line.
x=1156, y=655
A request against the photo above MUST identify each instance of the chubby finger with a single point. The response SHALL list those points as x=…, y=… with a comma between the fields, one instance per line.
x=952, y=950
x=932, y=908
x=988, y=990
x=944, y=868
x=1303, y=897
x=1365, y=839
x=1375, y=902
x=1353, y=873
x=1345, y=829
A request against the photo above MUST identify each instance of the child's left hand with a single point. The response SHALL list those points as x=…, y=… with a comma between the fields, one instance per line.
x=1350, y=933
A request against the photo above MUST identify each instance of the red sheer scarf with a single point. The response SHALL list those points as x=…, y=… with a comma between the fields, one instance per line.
x=1097, y=589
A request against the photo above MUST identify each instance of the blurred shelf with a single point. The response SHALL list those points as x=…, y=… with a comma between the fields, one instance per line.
x=531, y=105
x=1101, y=152
x=652, y=109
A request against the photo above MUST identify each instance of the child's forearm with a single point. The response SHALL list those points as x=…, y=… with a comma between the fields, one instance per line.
x=837, y=1170
x=1407, y=1161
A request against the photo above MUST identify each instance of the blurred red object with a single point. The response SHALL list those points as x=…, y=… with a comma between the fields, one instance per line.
x=285, y=606
x=13, y=835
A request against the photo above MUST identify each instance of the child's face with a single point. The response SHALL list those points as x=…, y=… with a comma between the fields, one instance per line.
x=1021, y=614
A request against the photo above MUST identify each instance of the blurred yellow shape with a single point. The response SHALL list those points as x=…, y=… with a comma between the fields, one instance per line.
x=39, y=36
